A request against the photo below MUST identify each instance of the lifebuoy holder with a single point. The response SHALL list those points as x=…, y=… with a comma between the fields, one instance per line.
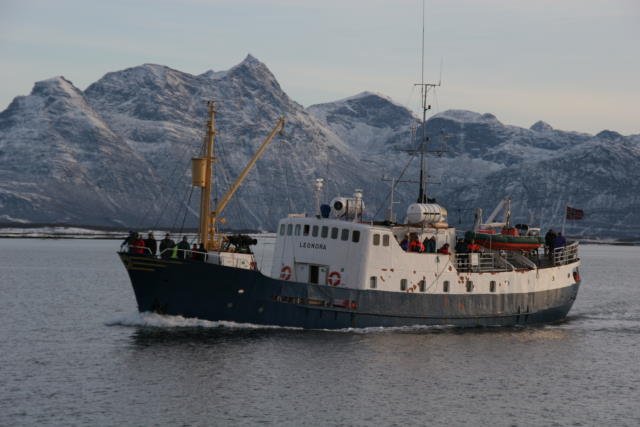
x=334, y=278
x=285, y=273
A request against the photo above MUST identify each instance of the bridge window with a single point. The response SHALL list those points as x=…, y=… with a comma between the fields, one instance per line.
x=324, y=232
x=373, y=282
x=305, y=232
x=314, y=231
x=403, y=284
x=282, y=227
x=345, y=234
x=355, y=237
x=445, y=286
x=385, y=240
x=376, y=240
x=297, y=232
x=492, y=286
x=334, y=232
x=289, y=229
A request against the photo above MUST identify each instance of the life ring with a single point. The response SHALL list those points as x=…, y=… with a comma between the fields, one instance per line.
x=334, y=278
x=285, y=273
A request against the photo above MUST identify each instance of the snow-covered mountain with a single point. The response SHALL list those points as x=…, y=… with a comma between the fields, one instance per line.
x=119, y=154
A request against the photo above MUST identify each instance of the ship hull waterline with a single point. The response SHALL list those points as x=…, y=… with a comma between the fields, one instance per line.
x=213, y=292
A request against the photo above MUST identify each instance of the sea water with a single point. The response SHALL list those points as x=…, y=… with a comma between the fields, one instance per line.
x=74, y=351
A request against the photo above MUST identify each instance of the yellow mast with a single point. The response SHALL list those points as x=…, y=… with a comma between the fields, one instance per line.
x=202, y=176
x=202, y=172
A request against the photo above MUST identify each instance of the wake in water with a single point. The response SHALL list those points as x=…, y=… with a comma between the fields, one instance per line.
x=155, y=320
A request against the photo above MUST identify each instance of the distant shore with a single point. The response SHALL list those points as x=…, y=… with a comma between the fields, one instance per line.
x=110, y=233
x=79, y=232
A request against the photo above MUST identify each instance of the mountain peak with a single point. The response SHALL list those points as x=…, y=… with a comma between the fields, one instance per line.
x=609, y=135
x=55, y=86
x=541, y=126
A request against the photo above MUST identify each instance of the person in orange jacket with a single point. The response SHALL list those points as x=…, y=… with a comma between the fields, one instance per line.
x=415, y=245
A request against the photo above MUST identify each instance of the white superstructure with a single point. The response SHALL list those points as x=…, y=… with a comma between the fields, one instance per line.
x=359, y=255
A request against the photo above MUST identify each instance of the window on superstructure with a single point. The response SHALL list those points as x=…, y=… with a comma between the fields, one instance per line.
x=355, y=237
x=423, y=285
x=492, y=286
x=305, y=232
x=297, y=232
x=345, y=234
x=314, y=231
x=289, y=229
x=334, y=232
x=469, y=286
x=373, y=282
x=403, y=284
x=282, y=227
x=324, y=232
x=376, y=240
x=445, y=286
x=385, y=240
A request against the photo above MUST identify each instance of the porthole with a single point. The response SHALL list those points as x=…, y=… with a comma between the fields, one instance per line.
x=355, y=236
x=469, y=286
x=324, y=232
x=289, y=229
x=423, y=285
x=282, y=227
x=376, y=240
x=445, y=286
x=403, y=284
x=314, y=231
x=297, y=230
x=385, y=240
x=305, y=232
x=345, y=234
x=492, y=286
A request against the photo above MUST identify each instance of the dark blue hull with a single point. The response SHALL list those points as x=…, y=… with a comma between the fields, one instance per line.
x=213, y=292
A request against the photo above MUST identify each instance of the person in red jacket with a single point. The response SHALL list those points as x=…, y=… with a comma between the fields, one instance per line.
x=415, y=245
x=137, y=246
x=473, y=246
x=444, y=249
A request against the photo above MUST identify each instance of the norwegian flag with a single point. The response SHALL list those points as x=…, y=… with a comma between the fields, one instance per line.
x=573, y=213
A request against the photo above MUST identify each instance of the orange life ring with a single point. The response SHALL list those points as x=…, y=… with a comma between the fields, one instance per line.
x=334, y=278
x=285, y=273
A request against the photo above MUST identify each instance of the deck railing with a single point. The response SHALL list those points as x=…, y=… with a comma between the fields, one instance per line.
x=565, y=254
x=482, y=262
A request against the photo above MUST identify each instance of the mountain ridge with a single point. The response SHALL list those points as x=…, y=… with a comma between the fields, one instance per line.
x=104, y=154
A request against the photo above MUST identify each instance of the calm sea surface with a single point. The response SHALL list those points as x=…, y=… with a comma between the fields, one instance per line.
x=74, y=351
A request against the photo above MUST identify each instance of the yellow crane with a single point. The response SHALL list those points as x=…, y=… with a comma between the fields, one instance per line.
x=202, y=176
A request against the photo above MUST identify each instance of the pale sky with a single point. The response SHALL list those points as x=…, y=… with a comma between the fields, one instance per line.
x=572, y=63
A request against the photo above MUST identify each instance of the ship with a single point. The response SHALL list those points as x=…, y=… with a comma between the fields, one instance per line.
x=335, y=269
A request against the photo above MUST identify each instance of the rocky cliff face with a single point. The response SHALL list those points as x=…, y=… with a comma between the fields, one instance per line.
x=119, y=154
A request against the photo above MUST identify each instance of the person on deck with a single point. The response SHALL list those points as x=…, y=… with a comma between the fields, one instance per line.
x=473, y=246
x=151, y=243
x=415, y=245
x=559, y=241
x=203, y=252
x=165, y=245
x=405, y=243
x=430, y=245
x=128, y=241
x=461, y=246
x=137, y=246
x=548, y=241
x=194, y=252
x=183, y=248
x=444, y=249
